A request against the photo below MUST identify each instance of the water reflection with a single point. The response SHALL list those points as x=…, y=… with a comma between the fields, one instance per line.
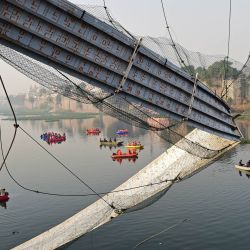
x=246, y=173
x=120, y=160
x=110, y=147
x=3, y=204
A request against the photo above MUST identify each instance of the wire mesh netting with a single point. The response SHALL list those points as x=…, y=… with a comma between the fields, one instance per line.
x=79, y=88
x=86, y=90
x=212, y=69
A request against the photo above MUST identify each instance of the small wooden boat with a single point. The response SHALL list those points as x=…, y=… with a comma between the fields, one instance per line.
x=93, y=131
x=111, y=143
x=122, y=132
x=120, y=154
x=53, y=137
x=138, y=146
x=245, y=168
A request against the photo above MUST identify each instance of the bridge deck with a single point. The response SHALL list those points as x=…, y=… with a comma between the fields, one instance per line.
x=64, y=33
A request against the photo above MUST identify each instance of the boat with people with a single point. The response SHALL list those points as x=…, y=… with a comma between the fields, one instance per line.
x=52, y=137
x=93, y=131
x=122, y=132
x=111, y=143
x=242, y=166
x=134, y=145
x=56, y=139
x=4, y=196
x=128, y=154
x=245, y=168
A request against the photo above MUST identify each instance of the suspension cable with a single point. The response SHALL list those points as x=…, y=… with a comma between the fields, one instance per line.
x=239, y=73
x=172, y=40
x=15, y=125
x=113, y=22
x=226, y=63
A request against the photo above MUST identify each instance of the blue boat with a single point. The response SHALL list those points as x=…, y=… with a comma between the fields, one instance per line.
x=122, y=132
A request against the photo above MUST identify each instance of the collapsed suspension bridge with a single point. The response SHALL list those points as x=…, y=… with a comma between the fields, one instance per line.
x=74, y=53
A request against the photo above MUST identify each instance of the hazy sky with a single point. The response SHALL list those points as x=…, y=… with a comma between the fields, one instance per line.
x=198, y=25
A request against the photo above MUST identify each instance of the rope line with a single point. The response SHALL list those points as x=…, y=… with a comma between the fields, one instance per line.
x=240, y=72
x=165, y=230
x=15, y=125
x=113, y=22
x=172, y=40
x=226, y=65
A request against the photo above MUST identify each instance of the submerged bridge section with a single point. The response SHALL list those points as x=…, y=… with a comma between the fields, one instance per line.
x=60, y=32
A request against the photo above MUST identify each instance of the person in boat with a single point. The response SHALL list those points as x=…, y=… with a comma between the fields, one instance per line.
x=2, y=192
x=105, y=140
x=240, y=163
x=248, y=164
x=119, y=152
x=110, y=140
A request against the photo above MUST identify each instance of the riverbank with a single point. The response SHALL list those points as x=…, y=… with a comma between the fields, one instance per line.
x=46, y=115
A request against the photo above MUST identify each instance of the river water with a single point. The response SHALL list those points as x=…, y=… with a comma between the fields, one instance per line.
x=215, y=201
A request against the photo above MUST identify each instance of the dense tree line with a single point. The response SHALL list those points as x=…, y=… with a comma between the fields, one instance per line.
x=215, y=73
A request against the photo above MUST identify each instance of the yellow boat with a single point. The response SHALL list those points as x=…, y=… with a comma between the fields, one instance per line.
x=111, y=143
x=134, y=146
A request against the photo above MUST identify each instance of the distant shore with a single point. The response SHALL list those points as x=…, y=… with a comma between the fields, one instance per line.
x=46, y=115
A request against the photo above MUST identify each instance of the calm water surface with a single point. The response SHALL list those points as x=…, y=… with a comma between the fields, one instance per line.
x=216, y=201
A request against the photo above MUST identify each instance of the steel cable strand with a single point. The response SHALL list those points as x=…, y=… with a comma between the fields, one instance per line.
x=165, y=230
x=239, y=73
x=172, y=40
x=228, y=49
x=15, y=126
x=113, y=21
